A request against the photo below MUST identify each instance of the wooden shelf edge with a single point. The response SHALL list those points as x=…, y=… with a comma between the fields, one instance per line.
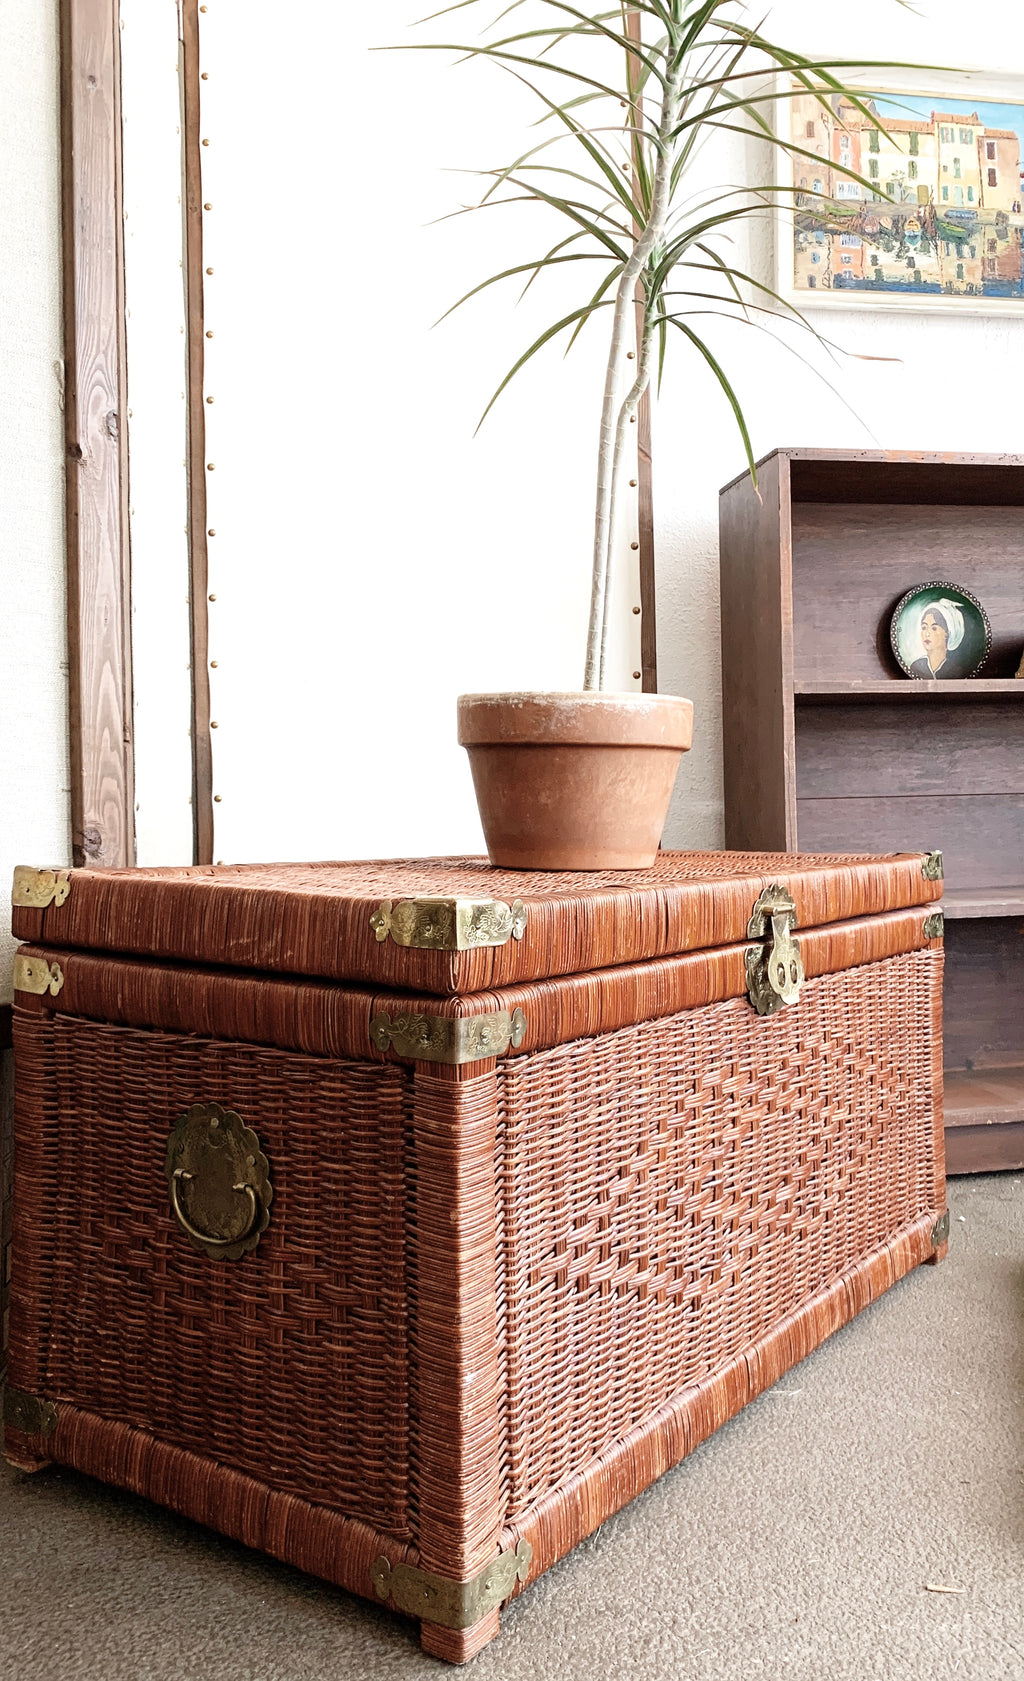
x=911, y=688
x=960, y=903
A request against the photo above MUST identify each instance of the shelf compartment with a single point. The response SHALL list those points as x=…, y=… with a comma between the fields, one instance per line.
x=984, y=1120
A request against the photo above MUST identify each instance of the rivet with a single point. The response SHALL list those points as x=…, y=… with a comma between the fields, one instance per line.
x=634, y=545
x=626, y=167
x=206, y=142
x=211, y=532
x=217, y=798
x=632, y=420
x=209, y=271
x=631, y=355
x=209, y=334
x=633, y=482
x=202, y=8
x=635, y=674
x=214, y=663
x=205, y=76
x=214, y=724
x=211, y=466
x=207, y=206
x=211, y=598
x=209, y=399
x=636, y=609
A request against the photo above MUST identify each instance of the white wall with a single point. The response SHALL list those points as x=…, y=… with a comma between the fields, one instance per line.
x=34, y=781
x=953, y=384
x=372, y=559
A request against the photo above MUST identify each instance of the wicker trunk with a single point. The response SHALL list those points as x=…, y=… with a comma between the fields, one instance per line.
x=405, y=1220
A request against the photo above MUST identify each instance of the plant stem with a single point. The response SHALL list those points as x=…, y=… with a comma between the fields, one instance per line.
x=609, y=447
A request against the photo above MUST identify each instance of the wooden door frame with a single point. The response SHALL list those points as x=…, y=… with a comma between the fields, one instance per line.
x=98, y=558
x=97, y=466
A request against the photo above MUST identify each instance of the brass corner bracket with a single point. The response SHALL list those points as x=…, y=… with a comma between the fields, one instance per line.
x=933, y=926
x=34, y=974
x=940, y=1230
x=449, y=1039
x=35, y=889
x=439, y=1599
x=449, y=924
x=29, y=1414
x=931, y=866
x=775, y=973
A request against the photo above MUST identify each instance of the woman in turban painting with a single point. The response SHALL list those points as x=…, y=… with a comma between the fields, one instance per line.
x=942, y=631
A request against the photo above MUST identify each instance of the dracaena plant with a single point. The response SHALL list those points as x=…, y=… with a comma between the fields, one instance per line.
x=647, y=83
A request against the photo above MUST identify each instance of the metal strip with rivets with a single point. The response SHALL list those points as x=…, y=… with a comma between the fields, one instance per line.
x=438, y=1599
x=35, y=889
x=449, y=1039
x=34, y=974
x=449, y=924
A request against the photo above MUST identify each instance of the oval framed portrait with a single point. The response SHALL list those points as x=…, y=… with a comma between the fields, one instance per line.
x=940, y=631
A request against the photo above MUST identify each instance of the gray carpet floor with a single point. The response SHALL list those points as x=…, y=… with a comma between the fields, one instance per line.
x=801, y=1542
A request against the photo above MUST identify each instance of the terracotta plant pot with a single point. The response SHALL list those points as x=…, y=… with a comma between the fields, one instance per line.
x=574, y=781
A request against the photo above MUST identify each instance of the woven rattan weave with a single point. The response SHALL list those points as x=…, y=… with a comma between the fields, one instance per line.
x=492, y=1301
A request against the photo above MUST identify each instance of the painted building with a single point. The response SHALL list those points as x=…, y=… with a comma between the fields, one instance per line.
x=937, y=208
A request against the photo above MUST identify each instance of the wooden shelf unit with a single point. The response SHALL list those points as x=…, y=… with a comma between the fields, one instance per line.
x=829, y=747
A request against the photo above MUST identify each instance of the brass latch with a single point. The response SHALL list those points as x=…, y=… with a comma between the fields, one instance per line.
x=449, y=924
x=439, y=1599
x=29, y=1414
x=775, y=973
x=34, y=974
x=36, y=889
x=450, y=1039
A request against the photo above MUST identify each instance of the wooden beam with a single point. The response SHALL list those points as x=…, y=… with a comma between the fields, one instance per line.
x=99, y=608
x=645, y=488
x=202, y=759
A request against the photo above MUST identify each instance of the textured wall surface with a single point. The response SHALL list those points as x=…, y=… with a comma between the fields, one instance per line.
x=33, y=656
x=952, y=382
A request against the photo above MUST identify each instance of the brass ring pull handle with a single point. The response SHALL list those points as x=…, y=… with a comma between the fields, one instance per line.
x=206, y=1239
x=219, y=1158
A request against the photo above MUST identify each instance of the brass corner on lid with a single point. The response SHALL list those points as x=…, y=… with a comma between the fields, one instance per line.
x=449, y=924
x=933, y=926
x=28, y=1413
x=940, y=1230
x=35, y=889
x=34, y=974
x=931, y=866
x=451, y=1604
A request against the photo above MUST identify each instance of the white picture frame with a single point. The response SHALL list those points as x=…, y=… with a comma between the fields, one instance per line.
x=986, y=277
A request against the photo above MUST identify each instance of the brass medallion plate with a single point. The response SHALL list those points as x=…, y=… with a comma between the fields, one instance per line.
x=438, y=1599
x=219, y=1182
x=449, y=924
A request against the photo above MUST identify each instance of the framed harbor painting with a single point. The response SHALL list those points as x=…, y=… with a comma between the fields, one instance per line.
x=915, y=201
